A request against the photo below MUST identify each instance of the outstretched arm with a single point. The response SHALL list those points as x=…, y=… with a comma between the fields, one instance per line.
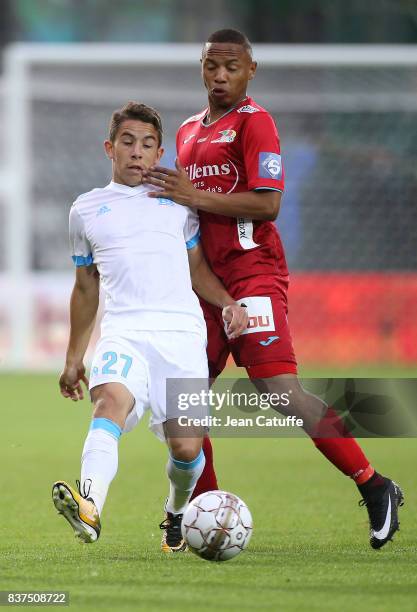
x=83, y=311
x=209, y=287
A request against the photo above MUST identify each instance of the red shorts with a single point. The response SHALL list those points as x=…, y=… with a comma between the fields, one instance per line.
x=264, y=349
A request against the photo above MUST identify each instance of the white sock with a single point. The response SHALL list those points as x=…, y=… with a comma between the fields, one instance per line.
x=99, y=460
x=183, y=476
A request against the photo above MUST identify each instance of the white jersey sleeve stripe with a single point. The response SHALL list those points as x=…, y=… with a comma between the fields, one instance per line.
x=194, y=241
x=191, y=228
x=81, y=250
x=80, y=260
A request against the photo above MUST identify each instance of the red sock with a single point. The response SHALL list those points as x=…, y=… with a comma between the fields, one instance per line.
x=207, y=480
x=344, y=452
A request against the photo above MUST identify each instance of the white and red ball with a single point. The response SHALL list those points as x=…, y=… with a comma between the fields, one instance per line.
x=217, y=525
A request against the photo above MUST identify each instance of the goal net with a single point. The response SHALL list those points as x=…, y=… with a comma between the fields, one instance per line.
x=347, y=118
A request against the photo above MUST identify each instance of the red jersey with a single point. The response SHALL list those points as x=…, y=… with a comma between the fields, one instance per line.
x=238, y=152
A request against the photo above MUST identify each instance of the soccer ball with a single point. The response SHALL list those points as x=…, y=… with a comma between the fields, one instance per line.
x=217, y=526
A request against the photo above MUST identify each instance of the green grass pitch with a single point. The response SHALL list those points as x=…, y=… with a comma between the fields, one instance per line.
x=309, y=550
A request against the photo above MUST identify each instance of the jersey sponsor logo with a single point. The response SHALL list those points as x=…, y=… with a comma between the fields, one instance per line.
x=248, y=109
x=245, y=233
x=165, y=202
x=270, y=166
x=269, y=340
x=103, y=210
x=197, y=172
x=260, y=315
x=202, y=139
x=226, y=136
x=188, y=139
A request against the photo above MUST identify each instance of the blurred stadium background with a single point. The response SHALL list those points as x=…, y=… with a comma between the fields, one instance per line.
x=346, y=108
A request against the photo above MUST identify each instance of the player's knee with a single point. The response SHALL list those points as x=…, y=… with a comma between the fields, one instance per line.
x=108, y=404
x=105, y=407
x=185, y=450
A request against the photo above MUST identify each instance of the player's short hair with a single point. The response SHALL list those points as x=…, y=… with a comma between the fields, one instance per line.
x=229, y=35
x=140, y=112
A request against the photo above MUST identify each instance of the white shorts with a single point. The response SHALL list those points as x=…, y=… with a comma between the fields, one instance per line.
x=143, y=363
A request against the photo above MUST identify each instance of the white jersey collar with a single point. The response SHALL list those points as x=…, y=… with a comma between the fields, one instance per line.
x=139, y=190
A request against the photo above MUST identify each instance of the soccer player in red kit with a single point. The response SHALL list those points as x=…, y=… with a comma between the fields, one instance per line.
x=229, y=167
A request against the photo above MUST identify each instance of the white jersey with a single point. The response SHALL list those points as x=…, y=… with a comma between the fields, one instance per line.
x=139, y=245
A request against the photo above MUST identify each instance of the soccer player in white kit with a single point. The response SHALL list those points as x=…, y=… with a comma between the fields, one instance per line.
x=153, y=329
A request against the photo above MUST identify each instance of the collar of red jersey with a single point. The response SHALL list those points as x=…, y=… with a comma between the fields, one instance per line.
x=206, y=113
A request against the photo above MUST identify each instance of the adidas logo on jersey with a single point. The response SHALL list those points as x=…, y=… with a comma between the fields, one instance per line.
x=101, y=211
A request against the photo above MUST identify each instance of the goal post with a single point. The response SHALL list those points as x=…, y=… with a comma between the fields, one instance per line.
x=347, y=116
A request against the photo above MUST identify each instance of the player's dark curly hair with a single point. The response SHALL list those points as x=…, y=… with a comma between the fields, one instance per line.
x=140, y=112
x=229, y=35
